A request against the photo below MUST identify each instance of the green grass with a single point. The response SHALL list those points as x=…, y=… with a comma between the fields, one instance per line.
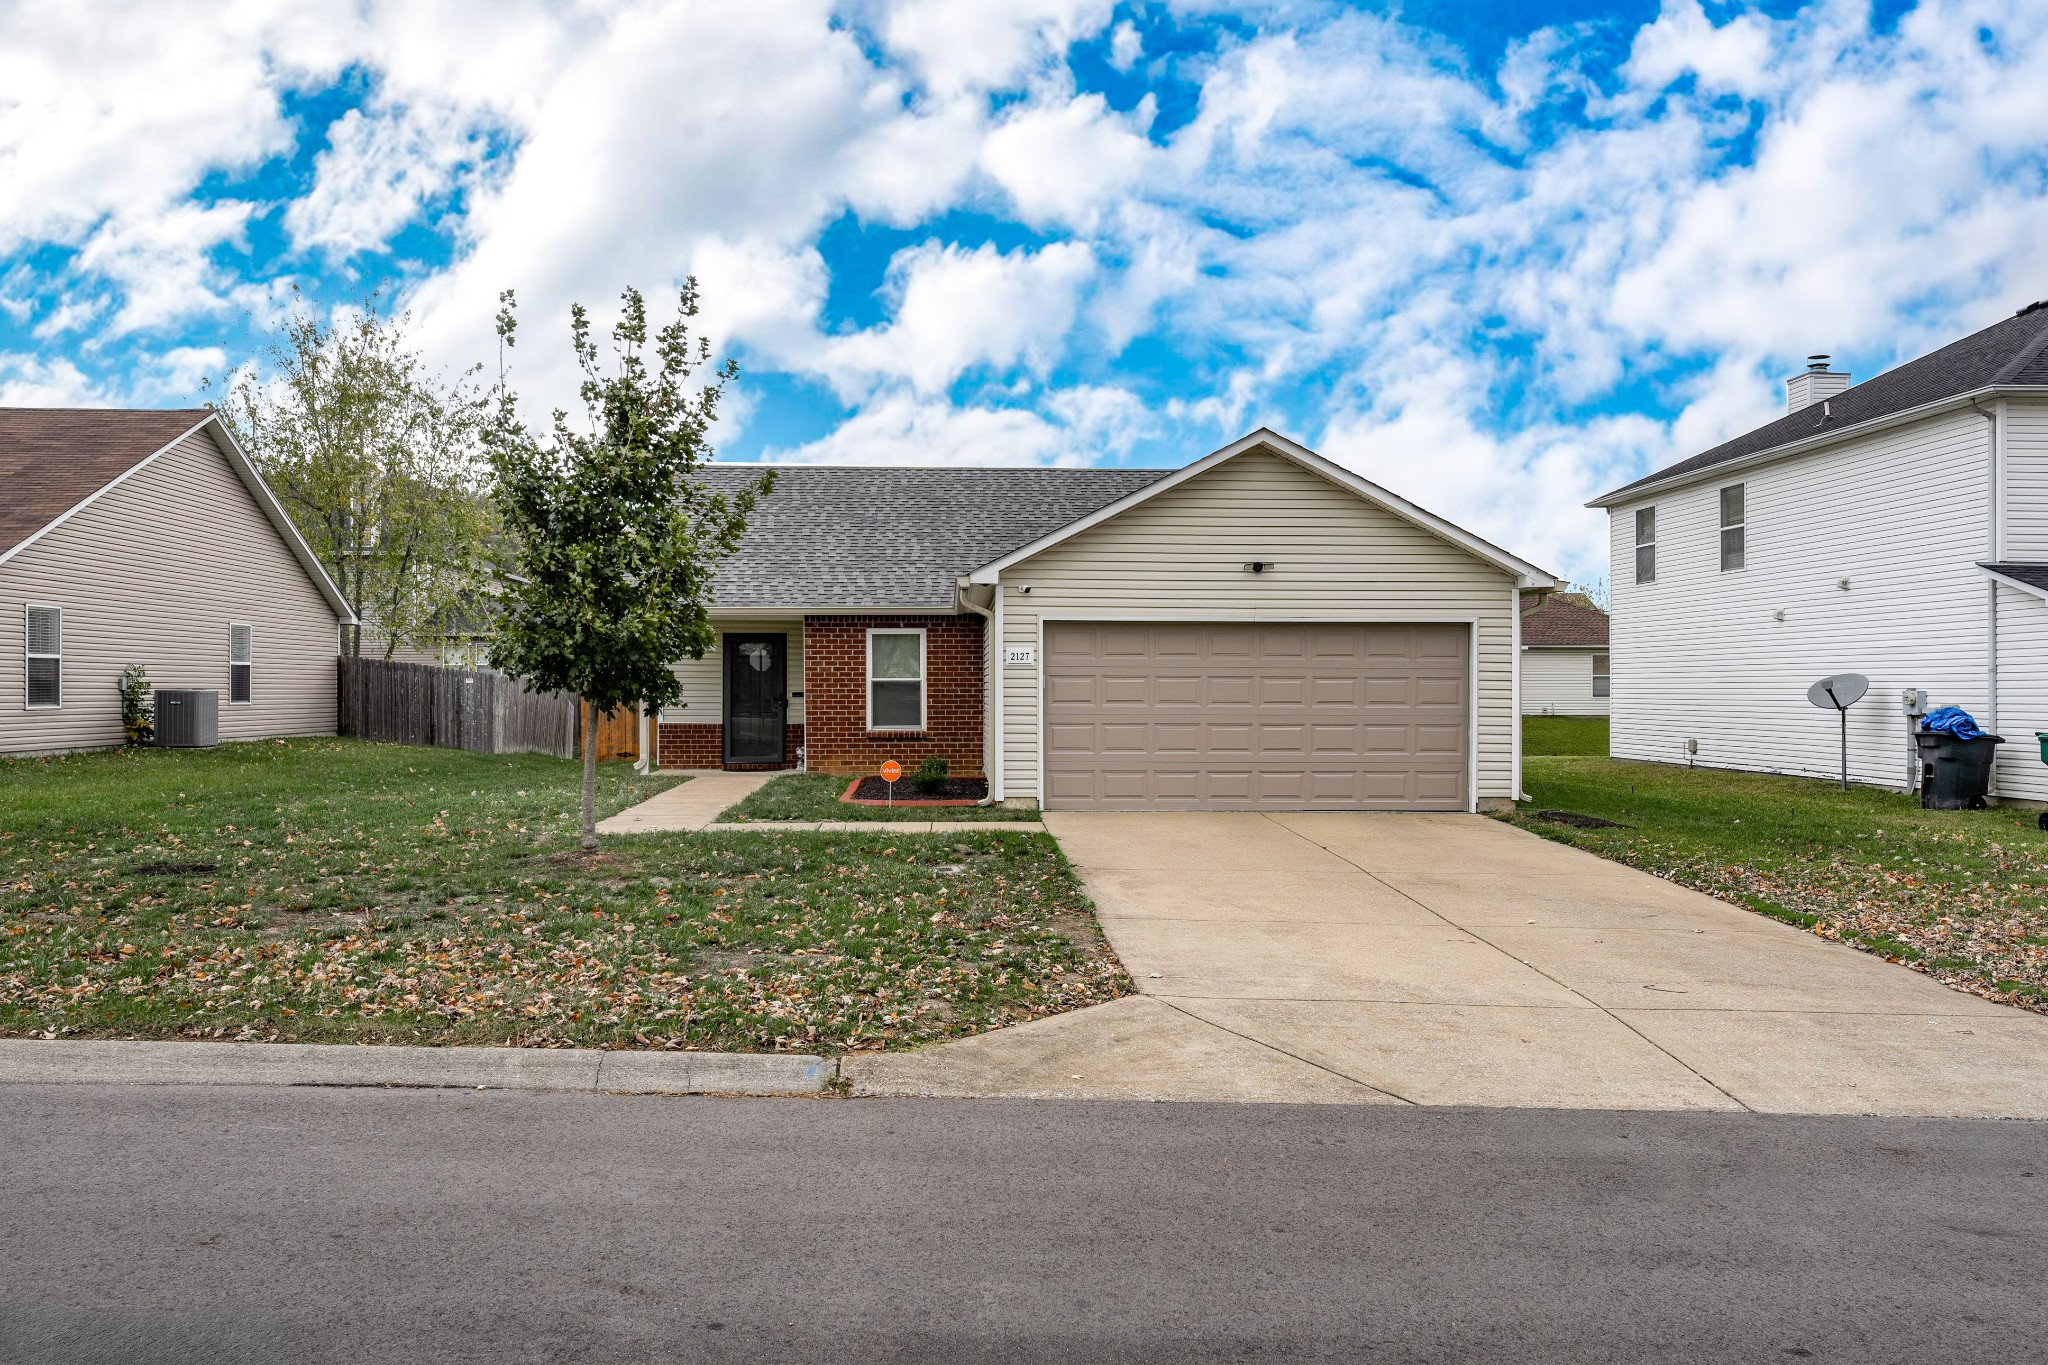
x=815, y=796
x=1960, y=895
x=365, y=892
x=1557, y=735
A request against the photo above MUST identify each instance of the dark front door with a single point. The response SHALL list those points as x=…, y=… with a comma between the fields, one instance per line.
x=755, y=699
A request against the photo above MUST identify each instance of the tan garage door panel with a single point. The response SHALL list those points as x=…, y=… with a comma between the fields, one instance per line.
x=1236, y=717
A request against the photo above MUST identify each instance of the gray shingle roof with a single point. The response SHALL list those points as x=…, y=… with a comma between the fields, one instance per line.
x=857, y=536
x=2014, y=351
x=1556, y=620
x=2035, y=575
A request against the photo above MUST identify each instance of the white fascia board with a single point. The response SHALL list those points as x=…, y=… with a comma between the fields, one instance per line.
x=2013, y=583
x=1527, y=575
x=1805, y=445
x=246, y=470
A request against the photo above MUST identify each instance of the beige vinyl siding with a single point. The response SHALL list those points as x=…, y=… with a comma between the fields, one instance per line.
x=1699, y=654
x=1558, y=681
x=1180, y=556
x=2025, y=427
x=703, y=699
x=154, y=572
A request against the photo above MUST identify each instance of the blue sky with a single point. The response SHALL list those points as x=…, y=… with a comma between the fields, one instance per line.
x=1495, y=256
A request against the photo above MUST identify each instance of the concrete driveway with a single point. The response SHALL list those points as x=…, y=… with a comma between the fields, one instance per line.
x=1452, y=959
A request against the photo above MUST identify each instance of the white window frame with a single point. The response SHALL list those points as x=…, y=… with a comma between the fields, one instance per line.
x=1642, y=544
x=924, y=680
x=26, y=634
x=249, y=663
x=1741, y=528
x=1603, y=683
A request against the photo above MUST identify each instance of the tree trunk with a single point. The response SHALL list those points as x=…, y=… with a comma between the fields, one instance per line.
x=589, y=778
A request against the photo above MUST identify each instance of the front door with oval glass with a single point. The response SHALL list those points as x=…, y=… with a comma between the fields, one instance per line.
x=756, y=699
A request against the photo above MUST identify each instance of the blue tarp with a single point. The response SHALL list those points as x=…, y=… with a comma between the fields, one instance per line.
x=1953, y=720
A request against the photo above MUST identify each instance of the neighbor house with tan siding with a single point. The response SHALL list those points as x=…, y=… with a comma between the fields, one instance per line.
x=147, y=537
x=1261, y=629
x=1896, y=528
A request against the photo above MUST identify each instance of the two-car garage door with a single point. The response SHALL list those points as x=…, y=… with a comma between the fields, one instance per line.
x=1219, y=716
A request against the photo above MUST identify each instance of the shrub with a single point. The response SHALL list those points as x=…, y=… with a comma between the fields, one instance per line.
x=138, y=706
x=931, y=774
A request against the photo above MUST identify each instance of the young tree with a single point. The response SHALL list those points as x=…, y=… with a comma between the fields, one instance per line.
x=377, y=460
x=612, y=542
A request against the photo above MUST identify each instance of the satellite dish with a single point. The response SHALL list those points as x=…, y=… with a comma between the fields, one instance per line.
x=1840, y=692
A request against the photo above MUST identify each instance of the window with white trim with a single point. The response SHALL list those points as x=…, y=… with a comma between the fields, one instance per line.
x=1732, y=527
x=1646, y=545
x=1600, y=675
x=895, y=680
x=241, y=664
x=45, y=658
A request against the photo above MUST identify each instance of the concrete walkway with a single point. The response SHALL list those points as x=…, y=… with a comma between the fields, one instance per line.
x=1455, y=960
x=688, y=805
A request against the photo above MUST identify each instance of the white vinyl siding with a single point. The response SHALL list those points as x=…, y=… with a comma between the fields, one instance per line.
x=1903, y=516
x=1559, y=681
x=153, y=573
x=703, y=699
x=1180, y=556
x=2022, y=694
x=2025, y=428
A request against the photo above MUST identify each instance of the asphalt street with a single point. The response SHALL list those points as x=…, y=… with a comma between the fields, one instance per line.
x=175, y=1224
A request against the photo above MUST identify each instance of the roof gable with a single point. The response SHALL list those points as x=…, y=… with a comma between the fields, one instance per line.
x=1271, y=443
x=54, y=462
x=2013, y=351
x=53, y=459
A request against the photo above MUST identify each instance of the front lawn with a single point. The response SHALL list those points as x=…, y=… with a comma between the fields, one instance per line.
x=815, y=796
x=1960, y=895
x=1552, y=735
x=332, y=890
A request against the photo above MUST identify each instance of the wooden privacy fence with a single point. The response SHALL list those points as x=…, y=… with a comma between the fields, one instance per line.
x=481, y=710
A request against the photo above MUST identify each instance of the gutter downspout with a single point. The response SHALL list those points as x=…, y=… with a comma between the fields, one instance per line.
x=1995, y=494
x=1515, y=689
x=992, y=623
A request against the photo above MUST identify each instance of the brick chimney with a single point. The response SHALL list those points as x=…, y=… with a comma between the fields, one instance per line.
x=1816, y=383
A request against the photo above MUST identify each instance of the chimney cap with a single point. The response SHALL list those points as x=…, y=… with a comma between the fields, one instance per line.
x=1818, y=363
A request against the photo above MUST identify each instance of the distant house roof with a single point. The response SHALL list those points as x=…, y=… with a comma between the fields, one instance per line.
x=2011, y=352
x=52, y=459
x=847, y=536
x=1558, y=621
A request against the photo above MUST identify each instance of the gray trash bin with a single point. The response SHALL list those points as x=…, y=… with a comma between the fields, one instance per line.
x=1955, y=773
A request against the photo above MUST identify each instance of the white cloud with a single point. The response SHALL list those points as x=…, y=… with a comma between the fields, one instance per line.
x=38, y=381
x=1126, y=46
x=957, y=46
x=1059, y=163
x=1087, y=425
x=379, y=168
x=958, y=309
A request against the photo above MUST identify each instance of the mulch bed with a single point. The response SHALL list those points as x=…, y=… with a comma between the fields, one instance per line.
x=954, y=791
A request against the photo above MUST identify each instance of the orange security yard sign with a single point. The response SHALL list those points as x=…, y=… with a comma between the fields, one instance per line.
x=891, y=770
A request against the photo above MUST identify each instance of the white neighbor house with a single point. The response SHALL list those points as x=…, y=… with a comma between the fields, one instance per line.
x=1896, y=528
x=1564, y=657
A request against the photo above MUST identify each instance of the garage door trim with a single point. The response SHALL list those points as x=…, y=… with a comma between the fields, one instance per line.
x=1153, y=618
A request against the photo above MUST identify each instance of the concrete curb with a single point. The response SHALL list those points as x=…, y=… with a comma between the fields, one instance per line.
x=875, y=827
x=91, y=1061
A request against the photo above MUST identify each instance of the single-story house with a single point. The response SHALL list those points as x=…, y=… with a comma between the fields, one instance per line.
x=1896, y=528
x=1262, y=629
x=147, y=537
x=1564, y=656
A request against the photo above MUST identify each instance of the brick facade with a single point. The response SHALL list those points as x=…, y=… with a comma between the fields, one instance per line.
x=703, y=746
x=837, y=739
